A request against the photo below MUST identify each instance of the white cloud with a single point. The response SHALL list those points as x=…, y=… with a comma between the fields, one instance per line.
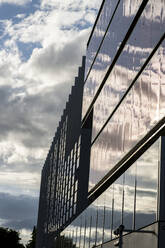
x=20, y=16
x=33, y=93
x=15, y=2
x=72, y=4
x=26, y=181
x=48, y=27
x=54, y=65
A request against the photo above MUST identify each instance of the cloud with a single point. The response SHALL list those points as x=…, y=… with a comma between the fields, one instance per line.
x=15, y=2
x=55, y=64
x=33, y=94
x=20, y=182
x=33, y=97
x=71, y=4
x=18, y=212
x=20, y=16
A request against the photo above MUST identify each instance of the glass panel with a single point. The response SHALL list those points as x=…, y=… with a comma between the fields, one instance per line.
x=82, y=230
x=147, y=184
x=77, y=224
x=137, y=114
x=108, y=214
x=129, y=197
x=143, y=39
x=99, y=31
x=100, y=206
x=123, y=18
x=93, y=210
x=88, y=225
x=116, y=205
x=118, y=198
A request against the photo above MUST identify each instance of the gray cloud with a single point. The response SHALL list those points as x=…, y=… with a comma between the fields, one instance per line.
x=14, y=114
x=61, y=61
x=33, y=94
x=32, y=121
x=35, y=117
x=18, y=211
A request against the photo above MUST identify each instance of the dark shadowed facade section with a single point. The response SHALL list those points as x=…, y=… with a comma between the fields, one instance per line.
x=64, y=182
x=121, y=172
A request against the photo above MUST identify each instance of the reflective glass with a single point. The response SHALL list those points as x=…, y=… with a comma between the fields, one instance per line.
x=108, y=214
x=123, y=17
x=93, y=211
x=118, y=200
x=76, y=226
x=83, y=228
x=129, y=197
x=87, y=229
x=99, y=31
x=143, y=39
x=140, y=110
x=147, y=185
x=133, y=194
x=89, y=237
x=100, y=222
x=73, y=236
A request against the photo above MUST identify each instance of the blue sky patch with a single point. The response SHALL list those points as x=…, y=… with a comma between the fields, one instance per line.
x=8, y=11
x=26, y=49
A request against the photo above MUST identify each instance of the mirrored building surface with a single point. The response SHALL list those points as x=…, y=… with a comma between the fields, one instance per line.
x=103, y=180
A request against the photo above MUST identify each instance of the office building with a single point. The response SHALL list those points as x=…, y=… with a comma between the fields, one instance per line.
x=120, y=137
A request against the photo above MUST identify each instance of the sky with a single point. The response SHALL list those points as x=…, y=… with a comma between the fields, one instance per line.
x=41, y=47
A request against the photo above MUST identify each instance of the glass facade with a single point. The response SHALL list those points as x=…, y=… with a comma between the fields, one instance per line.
x=129, y=197
x=146, y=186
x=139, y=111
x=103, y=21
x=131, y=100
x=118, y=28
x=139, y=46
x=131, y=200
x=123, y=103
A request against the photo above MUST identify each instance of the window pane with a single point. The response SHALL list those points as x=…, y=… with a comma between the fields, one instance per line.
x=129, y=197
x=100, y=222
x=147, y=185
x=108, y=214
x=118, y=197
